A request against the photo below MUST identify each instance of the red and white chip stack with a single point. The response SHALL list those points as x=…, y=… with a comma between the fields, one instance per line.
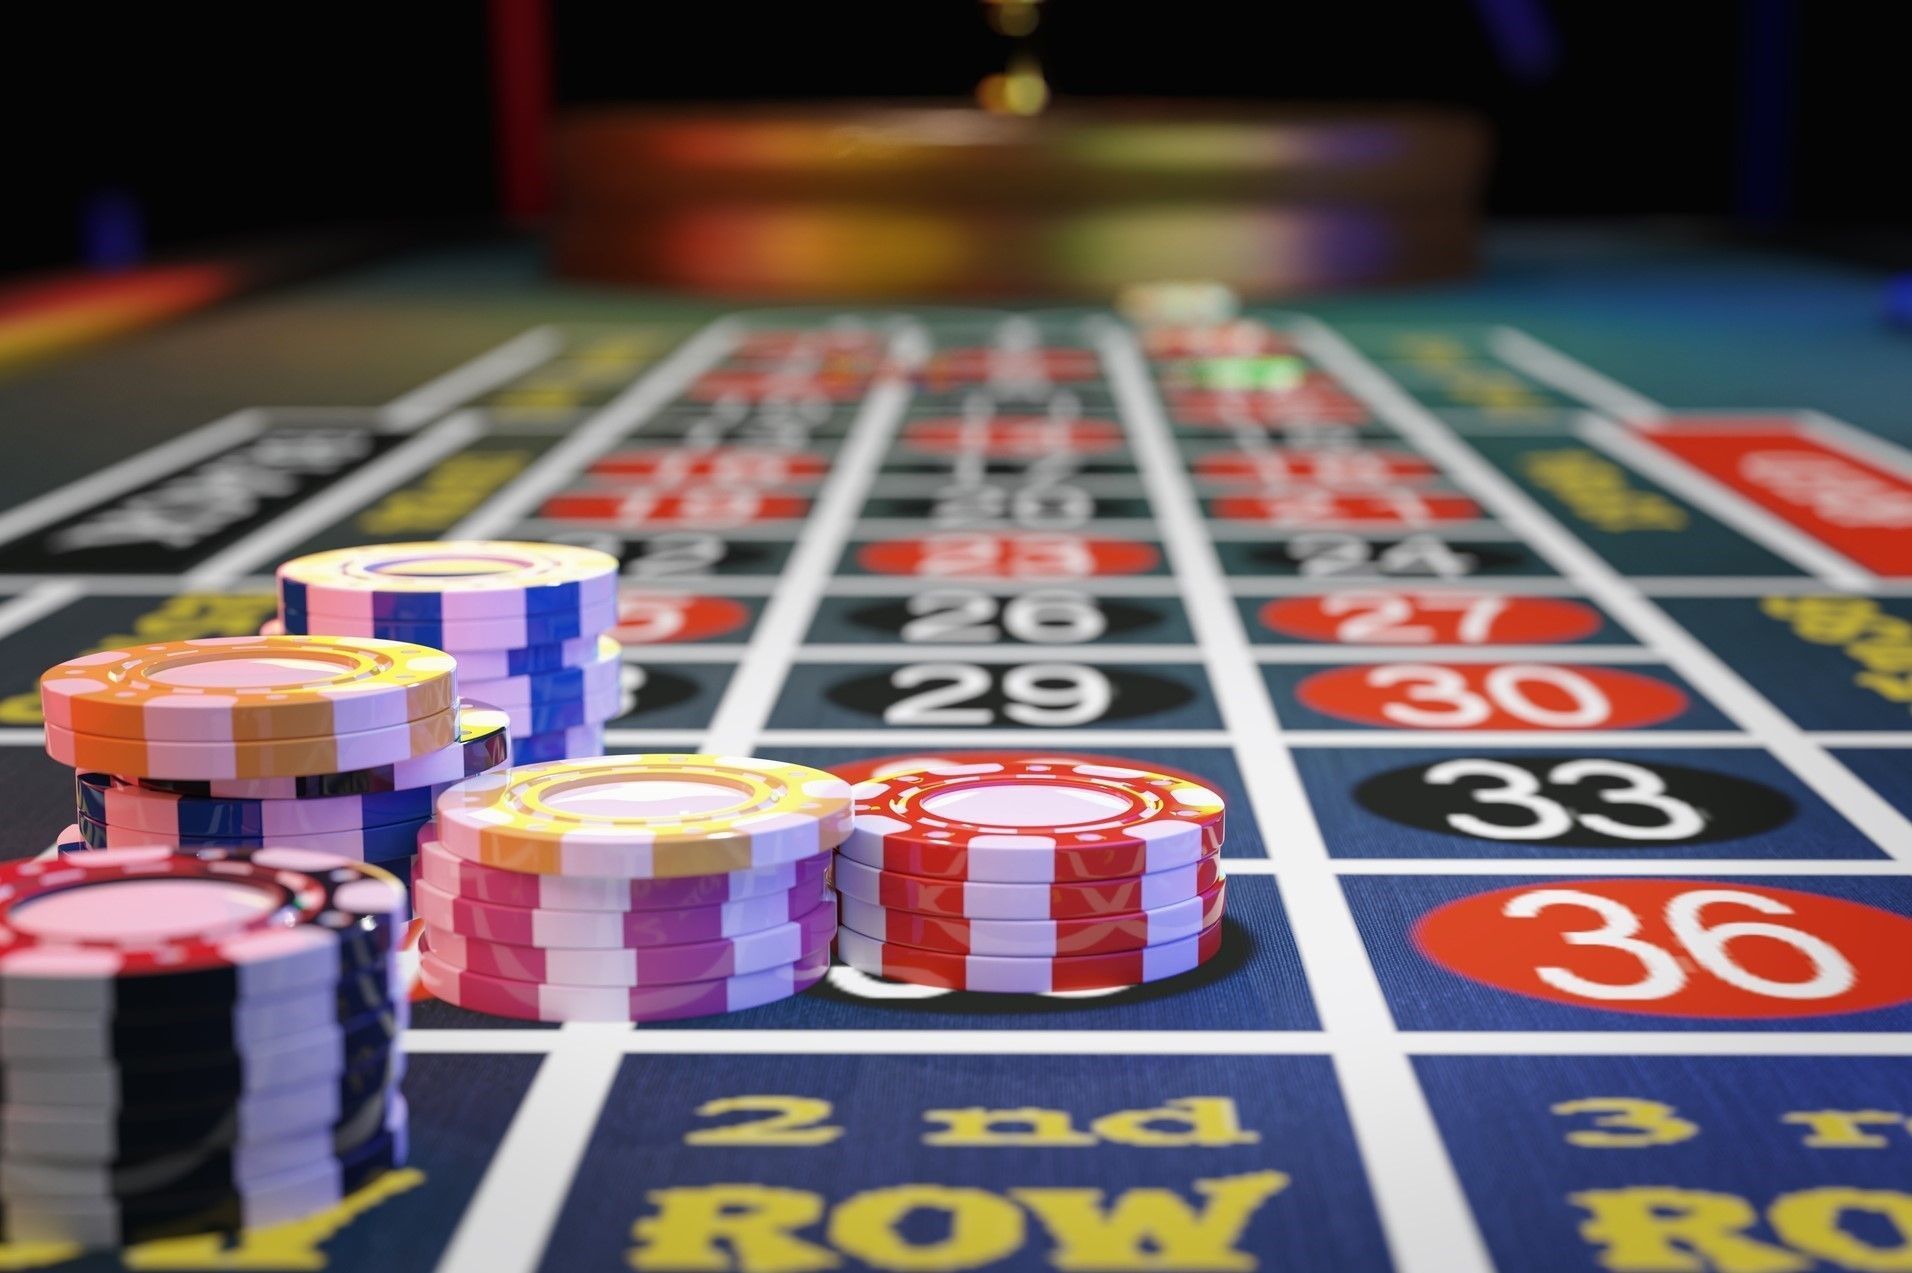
x=1027, y=873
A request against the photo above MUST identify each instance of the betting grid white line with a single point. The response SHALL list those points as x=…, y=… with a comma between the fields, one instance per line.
x=1429, y=1226
x=43, y=597
x=266, y=546
x=507, y=1221
x=134, y=470
x=1577, y=380
x=522, y=353
x=1725, y=506
x=599, y=432
x=1705, y=671
x=763, y=666
x=1622, y=405
x=1182, y=1042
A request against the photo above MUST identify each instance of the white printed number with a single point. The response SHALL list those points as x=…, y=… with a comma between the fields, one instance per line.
x=1384, y=618
x=1440, y=698
x=1038, y=618
x=1664, y=973
x=1055, y=695
x=1520, y=789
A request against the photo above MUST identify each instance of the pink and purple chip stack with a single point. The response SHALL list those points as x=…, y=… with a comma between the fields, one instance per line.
x=526, y=622
x=630, y=888
x=1028, y=873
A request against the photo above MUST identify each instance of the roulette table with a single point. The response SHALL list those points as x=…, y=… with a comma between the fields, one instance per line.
x=1548, y=635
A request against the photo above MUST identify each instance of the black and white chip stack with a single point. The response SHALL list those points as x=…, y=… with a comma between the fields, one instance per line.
x=195, y=1042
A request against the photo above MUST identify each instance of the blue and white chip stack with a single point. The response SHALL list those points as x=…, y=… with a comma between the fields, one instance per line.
x=526, y=622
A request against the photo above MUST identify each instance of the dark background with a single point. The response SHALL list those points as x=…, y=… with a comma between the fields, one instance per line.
x=1765, y=116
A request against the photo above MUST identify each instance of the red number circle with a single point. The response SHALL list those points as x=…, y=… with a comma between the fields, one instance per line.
x=1326, y=508
x=1734, y=960
x=1430, y=618
x=654, y=618
x=1007, y=556
x=1552, y=696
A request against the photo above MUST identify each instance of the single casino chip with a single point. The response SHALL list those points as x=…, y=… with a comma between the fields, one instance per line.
x=556, y=715
x=974, y=899
x=146, y=1105
x=117, y=929
x=117, y=802
x=483, y=742
x=865, y=768
x=65, y=1149
x=576, y=743
x=617, y=930
x=162, y=1081
x=436, y=581
x=69, y=840
x=639, y=965
x=544, y=1001
x=297, y=1194
x=598, y=676
x=1009, y=974
x=489, y=665
x=239, y=690
x=1100, y=935
x=1042, y=820
x=386, y=843
x=456, y=636
x=212, y=1027
x=645, y=816
x=275, y=758
x=473, y=881
x=50, y=1035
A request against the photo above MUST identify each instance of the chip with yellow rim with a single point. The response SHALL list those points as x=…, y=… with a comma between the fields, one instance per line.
x=652, y=816
x=435, y=581
x=248, y=689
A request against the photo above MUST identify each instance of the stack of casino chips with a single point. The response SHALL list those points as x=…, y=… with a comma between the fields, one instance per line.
x=195, y=1042
x=630, y=888
x=525, y=621
x=335, y=744
x=1026, y=873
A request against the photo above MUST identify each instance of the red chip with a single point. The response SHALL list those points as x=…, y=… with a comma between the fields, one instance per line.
x=1711, y=949
x=1032, y=821
x=980, y=899
x=1009, y=974
x=869, y=767
x=1040, y=938
x=1511, y=696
